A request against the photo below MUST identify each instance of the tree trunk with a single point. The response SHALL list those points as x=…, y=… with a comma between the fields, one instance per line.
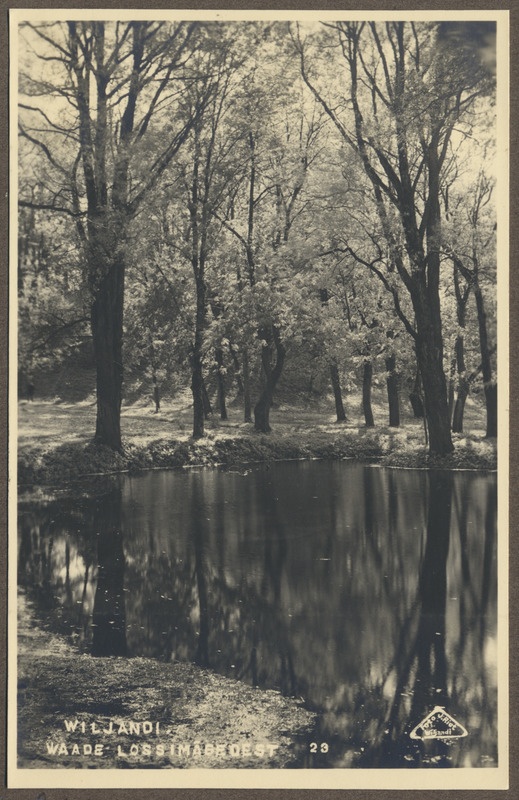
x=262, y=412
x=450, y=397
x=490, y=387
x=459, y=408
x=156, y=393
x=491, y=401
x=415, y=398
x=272, y=375
x=107, y=334
x=337, y=393
x=429, y=355
x=425, y=295
x=247, y=402
x=237, y=371
x=392, y=392
x=367, y=376
x=198, y=401
x=334, y=371
x=435, y=395
x=197, y=379
x=220, y=383
x=463, y=387
x=208, y=409
x=462, y=296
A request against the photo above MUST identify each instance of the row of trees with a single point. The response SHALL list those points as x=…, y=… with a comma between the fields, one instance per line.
x=228, y=196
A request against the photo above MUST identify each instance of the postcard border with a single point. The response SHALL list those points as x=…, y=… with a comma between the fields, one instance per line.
x=207, y=792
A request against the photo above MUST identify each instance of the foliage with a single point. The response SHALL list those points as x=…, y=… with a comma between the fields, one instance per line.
x=269, y=194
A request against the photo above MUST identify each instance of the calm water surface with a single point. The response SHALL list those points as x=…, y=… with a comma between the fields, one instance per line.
x=368, y=592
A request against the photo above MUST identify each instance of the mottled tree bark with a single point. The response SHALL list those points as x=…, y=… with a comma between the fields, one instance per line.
x=367, y=376
x=247, y=401
x=463, y=386
x=392, y=392
x=220, y=383
x=270, y=335
x=197, y=378
x=107, y=335
x=337, y=393
x=415, y=398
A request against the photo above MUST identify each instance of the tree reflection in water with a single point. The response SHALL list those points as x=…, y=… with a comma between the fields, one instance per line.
x=109, y=615
x=420, y=663
x=198, y=522
x=55, y=560
x=370, y=593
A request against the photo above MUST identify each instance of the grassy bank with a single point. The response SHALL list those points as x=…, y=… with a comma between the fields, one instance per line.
x=55, y=444
x=194, y=718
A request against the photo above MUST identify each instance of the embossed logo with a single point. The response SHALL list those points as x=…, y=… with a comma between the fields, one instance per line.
x=438, y=725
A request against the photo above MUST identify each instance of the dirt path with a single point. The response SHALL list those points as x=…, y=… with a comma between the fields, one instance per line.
x=76, y=711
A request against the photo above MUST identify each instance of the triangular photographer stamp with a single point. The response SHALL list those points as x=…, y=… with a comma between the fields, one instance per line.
x=438, y=725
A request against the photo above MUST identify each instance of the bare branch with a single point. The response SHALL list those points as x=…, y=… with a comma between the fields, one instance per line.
x=50, y=207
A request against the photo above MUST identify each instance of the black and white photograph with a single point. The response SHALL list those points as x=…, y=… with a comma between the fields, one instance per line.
x=258, y=495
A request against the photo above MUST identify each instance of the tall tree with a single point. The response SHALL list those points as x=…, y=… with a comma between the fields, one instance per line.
x=201, y=182
x=406, y=89
x=115, y=81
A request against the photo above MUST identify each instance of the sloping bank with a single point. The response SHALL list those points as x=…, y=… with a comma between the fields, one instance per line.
x=43, y=464
x=76, y=711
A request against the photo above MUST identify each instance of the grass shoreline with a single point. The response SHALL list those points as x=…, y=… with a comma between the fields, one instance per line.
x=59, y=452
x=75, y=461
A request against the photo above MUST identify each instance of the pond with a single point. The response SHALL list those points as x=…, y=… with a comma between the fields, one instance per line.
x=370, y=593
